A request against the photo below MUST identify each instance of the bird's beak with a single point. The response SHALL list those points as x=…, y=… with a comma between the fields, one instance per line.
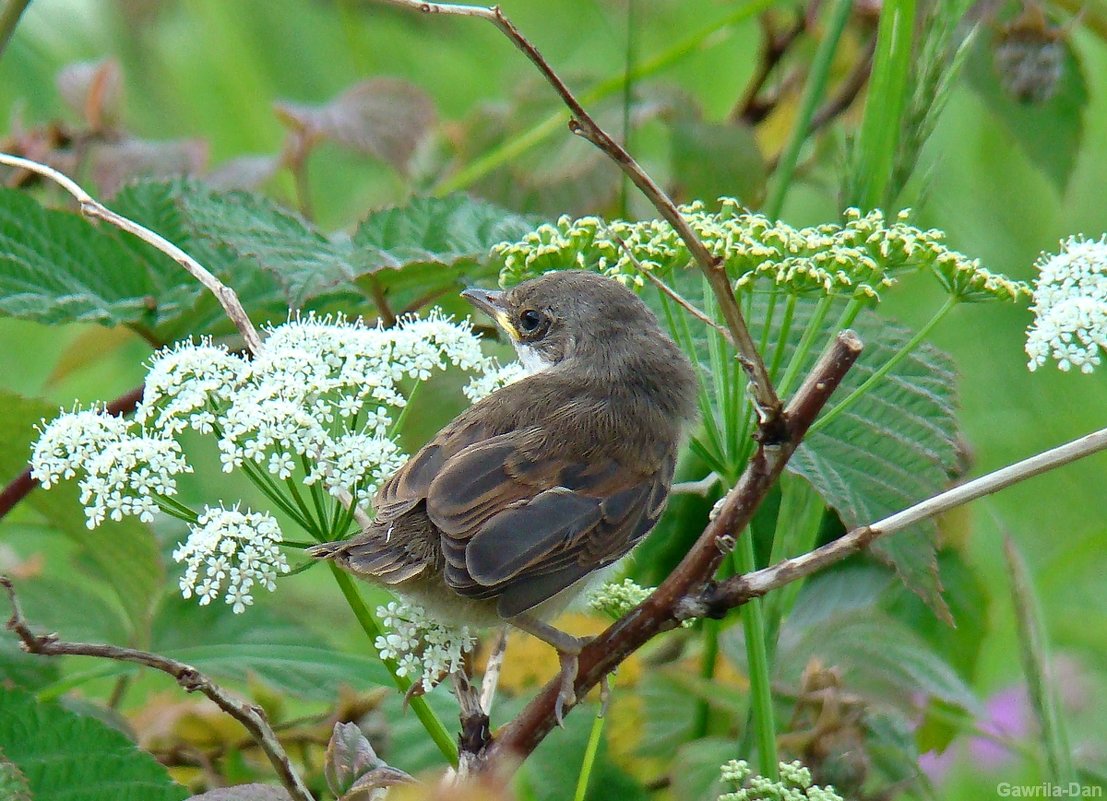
x=491, y=302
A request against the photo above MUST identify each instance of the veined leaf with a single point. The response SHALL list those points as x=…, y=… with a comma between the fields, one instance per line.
x=56, y=267
x=895, y=446
x=877, y=656
x=447, y=233
x=77, y=758
x=432, y=246
x=122, y=554
x=263, y=643
x=300, y=670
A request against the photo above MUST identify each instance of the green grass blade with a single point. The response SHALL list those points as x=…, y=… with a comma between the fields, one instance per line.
x=1033, y=649
x=888, y=92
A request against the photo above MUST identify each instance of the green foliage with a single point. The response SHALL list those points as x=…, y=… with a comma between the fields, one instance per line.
x=68, y=756
x=1050, y=132
x=444, y=233
x=123, y=555
x=56, y=267
x=896, y=446
x=1034, y=653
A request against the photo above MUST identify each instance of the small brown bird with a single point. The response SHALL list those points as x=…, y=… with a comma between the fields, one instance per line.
x=525, y=494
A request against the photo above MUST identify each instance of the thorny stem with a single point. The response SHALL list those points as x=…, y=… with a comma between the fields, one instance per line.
x=713, y=267
x=251, y=716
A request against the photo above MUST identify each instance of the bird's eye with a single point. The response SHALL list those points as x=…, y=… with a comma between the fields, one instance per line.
x=529, y=321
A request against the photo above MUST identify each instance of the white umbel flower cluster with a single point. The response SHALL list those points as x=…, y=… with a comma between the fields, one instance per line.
x=1070, y=306
x=122, y=473
x=231, y=552
x=423, y=648
x=317, y=407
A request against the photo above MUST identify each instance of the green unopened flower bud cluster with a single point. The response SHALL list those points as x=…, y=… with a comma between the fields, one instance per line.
x=856, y=258
x=795, y=784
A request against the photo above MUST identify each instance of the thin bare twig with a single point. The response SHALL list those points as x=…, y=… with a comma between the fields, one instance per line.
x=769, y=406
x=92, y=208
x=739, y=589
x=251, y=716
x=20, y=487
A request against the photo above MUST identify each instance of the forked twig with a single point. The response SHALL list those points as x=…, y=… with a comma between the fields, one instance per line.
x=251, y=716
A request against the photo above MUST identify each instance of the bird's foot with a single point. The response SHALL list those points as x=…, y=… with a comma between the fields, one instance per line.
x=568, y=649
x=566, y=694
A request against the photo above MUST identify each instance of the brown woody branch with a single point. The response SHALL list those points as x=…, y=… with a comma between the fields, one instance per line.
x=713, y=267
x=251, y=716
x=669, y=603
x=20, y=487
x=752, y=109
x=736, y=590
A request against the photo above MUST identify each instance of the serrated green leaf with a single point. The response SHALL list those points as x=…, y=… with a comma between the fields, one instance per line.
x=448, y=233
x=304, y=261
x=77, y=758
x=20, y=669
x=123, y=554
x=434, y=231
x=263, y=644
x=432, y=247
x=894, y=447
x=1049, y=133
x=877, y=657
x=56, y=267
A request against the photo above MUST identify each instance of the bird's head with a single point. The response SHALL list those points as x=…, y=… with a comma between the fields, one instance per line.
x=566, y=315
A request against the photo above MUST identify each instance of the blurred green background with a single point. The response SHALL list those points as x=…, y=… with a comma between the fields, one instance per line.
x=212, y=70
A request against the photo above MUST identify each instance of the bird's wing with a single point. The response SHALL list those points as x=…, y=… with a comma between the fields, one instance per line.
x=522, y=527
x=409, y=485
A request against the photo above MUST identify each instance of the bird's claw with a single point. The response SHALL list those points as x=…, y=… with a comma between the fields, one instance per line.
x=566, y=695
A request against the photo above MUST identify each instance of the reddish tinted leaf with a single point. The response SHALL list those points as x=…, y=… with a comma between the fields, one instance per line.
x=384, y=117
x=93, y=89
x=115, y=164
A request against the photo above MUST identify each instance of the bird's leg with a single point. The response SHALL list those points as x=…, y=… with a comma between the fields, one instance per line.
x=568, y=649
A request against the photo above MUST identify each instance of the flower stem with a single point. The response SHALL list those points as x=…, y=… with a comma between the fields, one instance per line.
x=187, y=515
x=591, y=749
x=708, y=659
x=885, y=368
x=799, y=357
x=435, y=728
x=762, y=718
